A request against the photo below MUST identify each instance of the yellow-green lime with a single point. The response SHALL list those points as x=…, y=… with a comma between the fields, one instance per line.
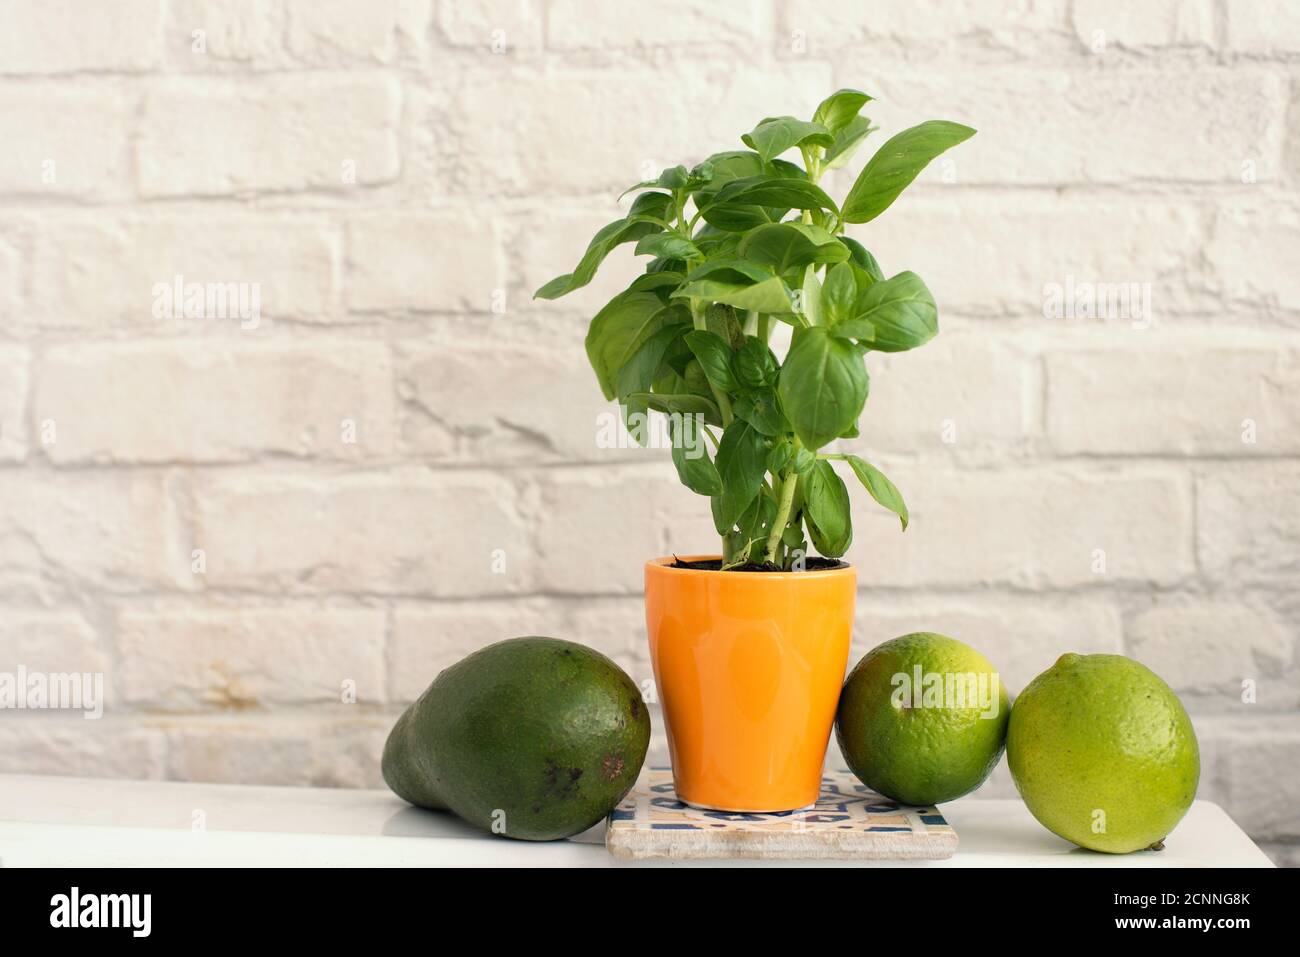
x=1103, y=753
x=922, y=718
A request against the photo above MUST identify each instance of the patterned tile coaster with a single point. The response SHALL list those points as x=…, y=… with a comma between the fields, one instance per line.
x=848, y=822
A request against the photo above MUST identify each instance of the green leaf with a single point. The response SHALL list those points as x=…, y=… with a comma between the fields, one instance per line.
x=901, y=312
x=755, y=364
x=823, y=386
x=881, y=489
x=826, y=510
x=627, y=230
x=788, y=246
x=804, y=460
x=681, y=403
x=746, y=544
x=840, y=109
x=847, y=142
x=691, y=456
x=810, y=299
x=896, y=164
x=859, y=256
x=742, y=456
x=779, y=458
x=767, y=296
x=714, y=356
x=776, y=192
x=760, y=409
x=774, y=135
x=621, y=328
x=639, y=372
x=737, y=271
x=656, y=280
x=668, y=244
x=839, y=293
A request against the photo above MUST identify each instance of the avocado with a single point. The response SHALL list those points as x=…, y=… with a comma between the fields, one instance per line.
x=534, y=738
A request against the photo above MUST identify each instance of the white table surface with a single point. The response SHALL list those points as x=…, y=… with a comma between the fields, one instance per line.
x=69, y=822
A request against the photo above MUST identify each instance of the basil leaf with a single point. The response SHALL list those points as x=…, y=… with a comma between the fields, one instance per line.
x=767, y=296
x=760, y=409
x=621, y=328
x=840, y=109
x=859, y=256
x=896, y=164
x=755, y=364
x=774, y=135
x=714, y=356
x=775, y=191
x=847, y=142
x=691, y=457
x=670, y=245
x=681, y=403
x=881, y=489
x=901, y=311
x=742, y=456
x=839, y=293
x=627, y=230
x=638, y=373
x=787, y=246
x=826, y=510
x=822, y=387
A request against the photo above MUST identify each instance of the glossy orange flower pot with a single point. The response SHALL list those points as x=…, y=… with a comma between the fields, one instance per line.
x=748, y=667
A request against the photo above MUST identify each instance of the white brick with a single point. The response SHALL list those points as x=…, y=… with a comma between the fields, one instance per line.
x=1121, y=127
x=112, y=747
x=1248, y=523
x=50, y=642
x=1034, y=527
x=543, y=247
x=340, y=31
x=62, y=141
x=506, y=422
x=1036, y=241
x=528, y=108
x=579, y=25
x=1252, y=253
x=430, y=638
x=437, y=262
x=98, y=273
x=179, y=659
x=9, y=281
x=214, y=136
x=1155, y=23
x=1177, y=398
x=214, y=402
x=918, y=404
x=1257, y=756
x=13, y=403
x=315, y=751
x=68, y=36
x=1211, y=647
x=500, y=26
x=1268, y=27
x=817, y=26
x=61, y=533
x=1022, y=636
x=600, y=528
x=204, y=36
x=400, y=531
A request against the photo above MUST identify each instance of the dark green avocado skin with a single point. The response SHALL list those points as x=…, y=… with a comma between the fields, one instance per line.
x=532, y=738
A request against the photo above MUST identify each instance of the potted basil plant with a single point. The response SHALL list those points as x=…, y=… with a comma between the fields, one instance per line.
x=749, y=645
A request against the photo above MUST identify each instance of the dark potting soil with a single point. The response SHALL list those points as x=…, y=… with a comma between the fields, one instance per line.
x=715, y=564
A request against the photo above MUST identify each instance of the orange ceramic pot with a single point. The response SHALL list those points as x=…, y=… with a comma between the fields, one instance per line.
x=748, y=667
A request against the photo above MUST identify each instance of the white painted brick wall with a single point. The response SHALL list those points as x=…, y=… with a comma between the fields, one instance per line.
x=398, y=464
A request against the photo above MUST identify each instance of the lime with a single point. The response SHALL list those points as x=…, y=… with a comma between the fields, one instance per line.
x=922, y=719
x=1103, y=753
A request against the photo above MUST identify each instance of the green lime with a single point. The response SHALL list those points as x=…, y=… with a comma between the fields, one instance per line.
x=922, y=719
x=1103, y=753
